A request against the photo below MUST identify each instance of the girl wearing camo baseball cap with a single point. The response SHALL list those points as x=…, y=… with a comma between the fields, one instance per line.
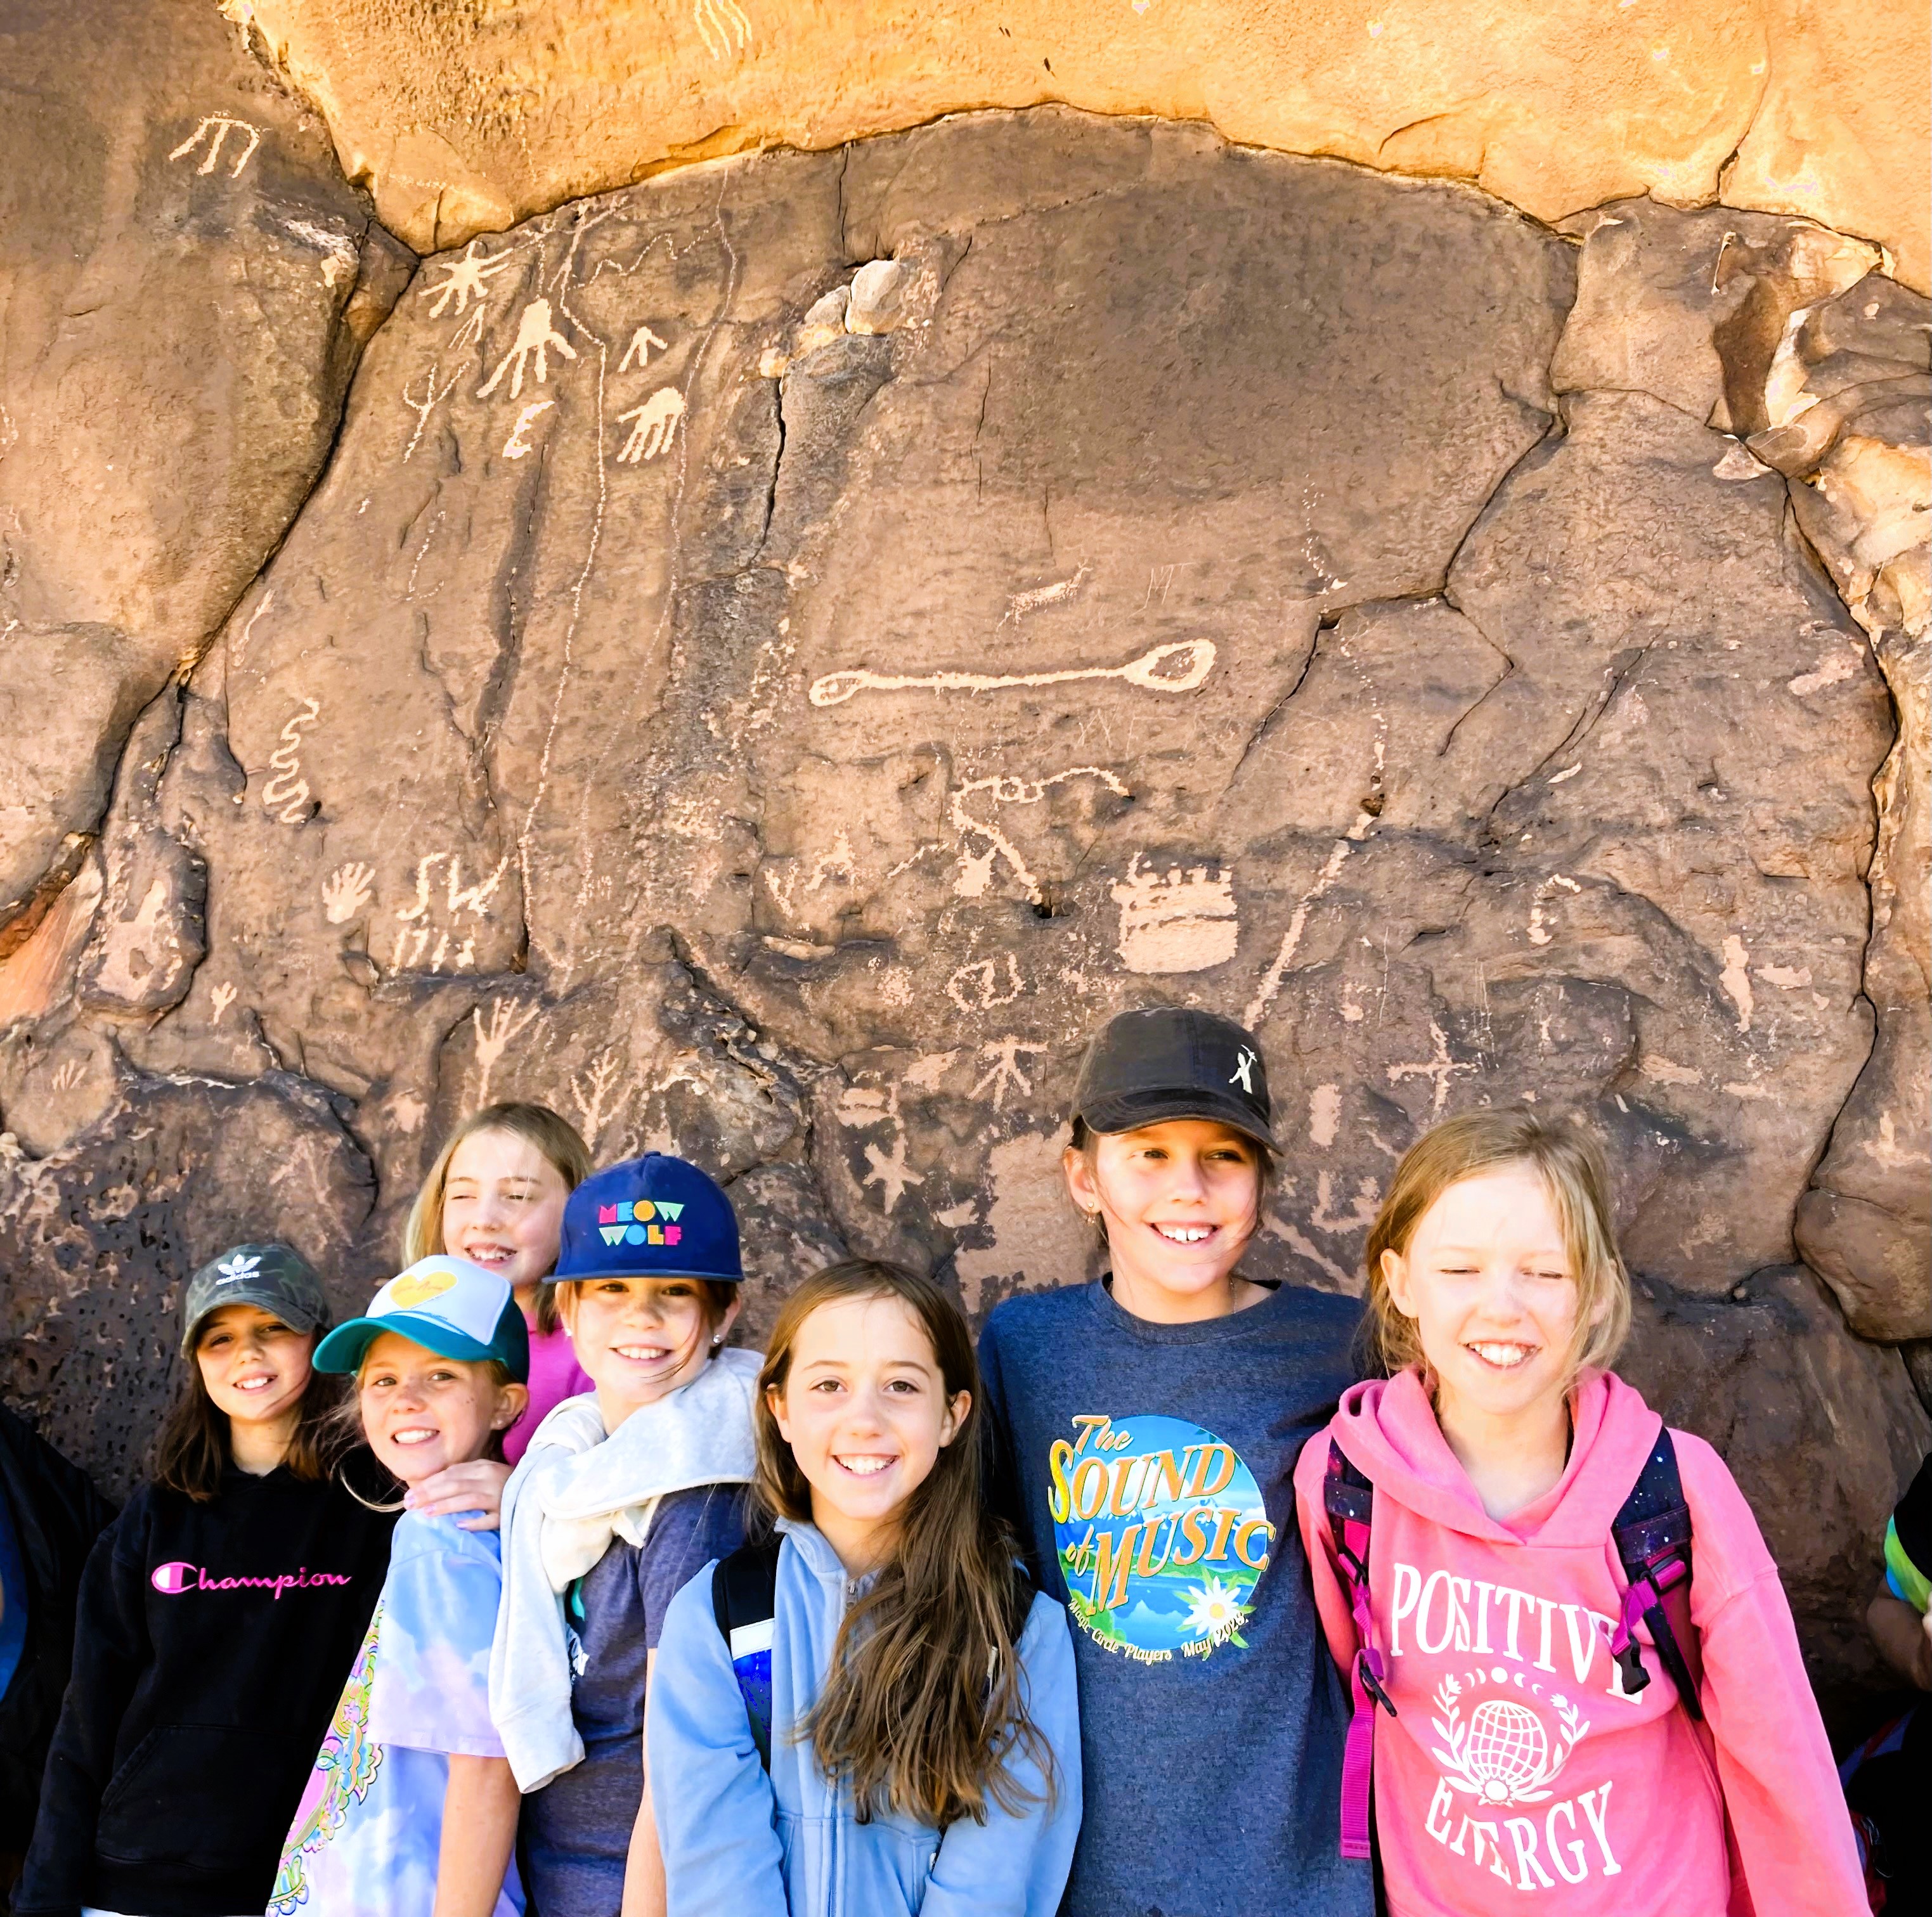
x=217, y=1618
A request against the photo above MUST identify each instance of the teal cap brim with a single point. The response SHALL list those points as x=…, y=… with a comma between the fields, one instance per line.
x=345, y=1348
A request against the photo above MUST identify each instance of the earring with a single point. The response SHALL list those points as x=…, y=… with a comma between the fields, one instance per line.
x=717, y=1341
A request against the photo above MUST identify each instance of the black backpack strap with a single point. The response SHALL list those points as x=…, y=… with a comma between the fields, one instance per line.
x=1652, y=1531
x=744, y=1601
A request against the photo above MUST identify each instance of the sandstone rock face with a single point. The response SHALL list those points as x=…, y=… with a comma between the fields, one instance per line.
x=187, y=279
x=463, y=120
x=781, y=652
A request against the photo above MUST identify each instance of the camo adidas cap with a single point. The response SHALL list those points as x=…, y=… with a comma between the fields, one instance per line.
x=274, y=1278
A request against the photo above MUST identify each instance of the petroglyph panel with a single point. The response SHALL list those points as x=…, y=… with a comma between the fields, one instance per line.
x=781, y=652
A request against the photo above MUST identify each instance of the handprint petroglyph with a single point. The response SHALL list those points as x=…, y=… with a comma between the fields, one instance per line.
x=535, y=336
x=346, y=892
x=656, y=426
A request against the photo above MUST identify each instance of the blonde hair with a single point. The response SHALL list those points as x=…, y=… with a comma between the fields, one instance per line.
x=1570, y=1163
x=555, y=1136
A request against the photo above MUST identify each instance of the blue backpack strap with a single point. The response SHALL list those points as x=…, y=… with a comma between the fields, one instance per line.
x=744, y=1599
x=1652, y=1532
x=1348, y=1498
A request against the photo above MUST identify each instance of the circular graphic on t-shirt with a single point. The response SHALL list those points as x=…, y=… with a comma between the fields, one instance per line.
x=1162, y=1533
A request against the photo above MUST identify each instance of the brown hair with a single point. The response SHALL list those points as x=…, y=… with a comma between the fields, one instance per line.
x=191, y=1451
x=1570, y=1163
x=555, y=1136
x=921, y=1710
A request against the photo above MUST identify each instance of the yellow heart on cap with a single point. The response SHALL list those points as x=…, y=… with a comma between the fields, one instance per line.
x=407, y=1291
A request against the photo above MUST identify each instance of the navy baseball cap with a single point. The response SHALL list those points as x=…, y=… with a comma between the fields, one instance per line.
x=655, y=1217
x=1170, y=1061
x=447, y=1305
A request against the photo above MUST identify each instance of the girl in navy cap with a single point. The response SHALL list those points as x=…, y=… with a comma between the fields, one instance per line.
x=411, y=1811
x=621, y=1496
x=1145, y=1431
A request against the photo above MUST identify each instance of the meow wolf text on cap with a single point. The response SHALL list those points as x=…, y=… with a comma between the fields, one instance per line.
x=655, y=1217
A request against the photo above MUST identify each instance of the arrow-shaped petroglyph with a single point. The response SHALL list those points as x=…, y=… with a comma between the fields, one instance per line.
x=1178, y=667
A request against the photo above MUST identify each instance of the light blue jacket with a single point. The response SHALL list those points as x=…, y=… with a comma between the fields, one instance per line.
x=738, y=1843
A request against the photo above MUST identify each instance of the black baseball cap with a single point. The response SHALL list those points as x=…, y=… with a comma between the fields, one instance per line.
x=274, y=1278
x=1168, y=1061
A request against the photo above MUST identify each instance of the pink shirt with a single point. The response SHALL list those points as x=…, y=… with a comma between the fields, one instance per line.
x=555, y=1375
x=1517, y=1774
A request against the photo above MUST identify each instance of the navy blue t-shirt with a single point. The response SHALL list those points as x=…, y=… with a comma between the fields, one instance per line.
x=1149, y=1471
x=575, y=1832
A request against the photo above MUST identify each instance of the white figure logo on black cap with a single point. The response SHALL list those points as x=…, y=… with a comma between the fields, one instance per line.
x=1244, y=1065
x=236, y=1266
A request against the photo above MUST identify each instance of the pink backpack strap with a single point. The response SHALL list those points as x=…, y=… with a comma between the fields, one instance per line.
x=1348, y=1499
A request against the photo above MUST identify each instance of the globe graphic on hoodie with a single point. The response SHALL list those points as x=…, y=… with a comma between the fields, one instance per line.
x=1506, y=1749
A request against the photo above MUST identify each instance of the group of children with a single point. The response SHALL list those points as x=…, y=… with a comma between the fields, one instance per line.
x=1153, y=1605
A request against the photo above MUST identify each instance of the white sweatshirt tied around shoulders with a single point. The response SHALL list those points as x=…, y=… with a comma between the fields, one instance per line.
x=576, y=1489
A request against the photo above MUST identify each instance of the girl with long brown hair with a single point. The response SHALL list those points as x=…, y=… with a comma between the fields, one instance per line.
x=904, y=1710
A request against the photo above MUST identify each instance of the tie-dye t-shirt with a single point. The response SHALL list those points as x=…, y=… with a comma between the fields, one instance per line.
x=366, y=1839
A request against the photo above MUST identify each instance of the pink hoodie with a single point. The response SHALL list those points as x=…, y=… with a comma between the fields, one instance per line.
x=1517, y=1772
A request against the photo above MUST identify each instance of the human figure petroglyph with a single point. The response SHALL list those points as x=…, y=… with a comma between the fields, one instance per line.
x=535, y=336
x=346, y=892
x=656, y=426
x=222, y=124
x=976, y=869
x=286, y=794
x=861, y=1107
x=516, y=446
x=465, y=278
x=639, y=350
x=1178, y=667
x=222, y=998
x=723, y=26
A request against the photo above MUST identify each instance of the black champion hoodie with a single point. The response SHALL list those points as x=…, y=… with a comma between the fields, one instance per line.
x=210, y=1646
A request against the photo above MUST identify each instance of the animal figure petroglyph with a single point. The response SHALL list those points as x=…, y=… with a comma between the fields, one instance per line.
x=656, y=426
x=464, y=279
x=287, y=794
x=222, y=124
x=976, y=869
x=1178, y=667
x=535, y=336
x=722, y=26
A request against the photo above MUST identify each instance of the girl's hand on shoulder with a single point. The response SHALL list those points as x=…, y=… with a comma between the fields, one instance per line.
x=471, y=1493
